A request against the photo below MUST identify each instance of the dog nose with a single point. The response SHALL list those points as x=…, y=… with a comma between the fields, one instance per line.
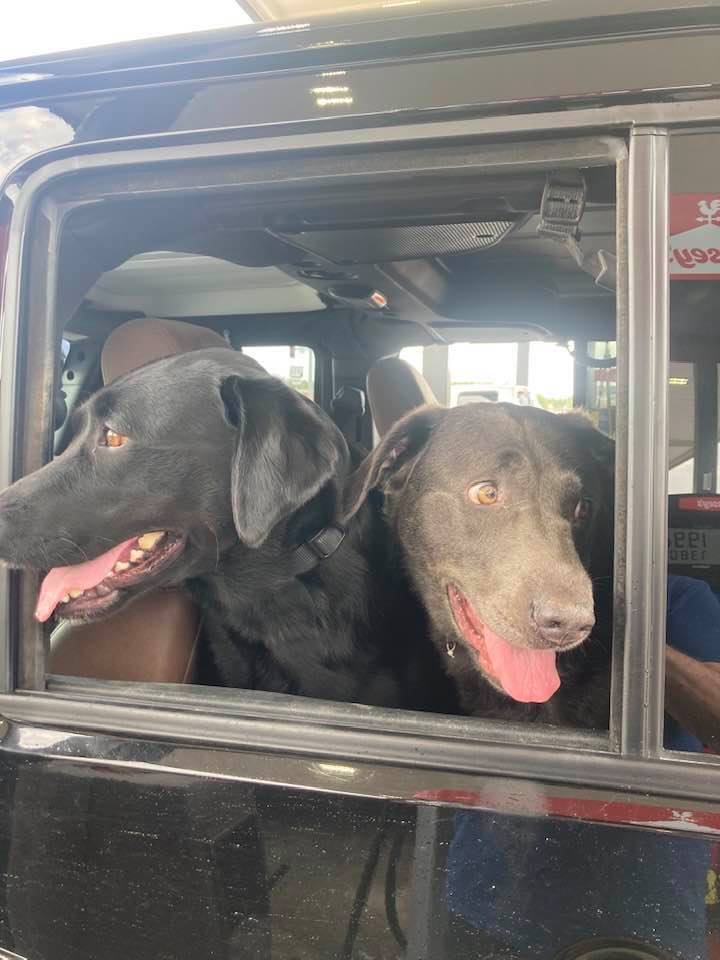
x=561, y=625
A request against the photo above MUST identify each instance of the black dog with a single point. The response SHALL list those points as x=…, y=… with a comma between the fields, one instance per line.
x=202, y=469
x=504, y=516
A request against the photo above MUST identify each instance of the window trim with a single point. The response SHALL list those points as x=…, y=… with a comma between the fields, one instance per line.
x=643, y=361
x=407, y=746
x=498, y=747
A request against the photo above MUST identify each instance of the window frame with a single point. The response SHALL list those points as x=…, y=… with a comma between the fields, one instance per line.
x=633, y=754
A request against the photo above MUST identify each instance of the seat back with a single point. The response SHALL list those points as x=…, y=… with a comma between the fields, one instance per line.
x=155, y=638
x=395, y=388
x=137, y=342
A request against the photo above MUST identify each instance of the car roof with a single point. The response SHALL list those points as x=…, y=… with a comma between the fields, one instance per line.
x=413, y=26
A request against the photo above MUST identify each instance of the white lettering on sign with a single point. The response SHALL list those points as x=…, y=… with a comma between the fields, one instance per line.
x=694, y=236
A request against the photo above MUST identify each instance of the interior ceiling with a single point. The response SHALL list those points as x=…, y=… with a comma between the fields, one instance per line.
x=460, y=254
x=446, y=269
x=441, y=272
x=168, y=284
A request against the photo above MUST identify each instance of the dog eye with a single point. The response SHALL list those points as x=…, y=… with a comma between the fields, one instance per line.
x=484, y=494
x=583, y=509
x=113, y=439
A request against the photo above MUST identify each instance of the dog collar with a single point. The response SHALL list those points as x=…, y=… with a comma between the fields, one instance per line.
x=319, y=547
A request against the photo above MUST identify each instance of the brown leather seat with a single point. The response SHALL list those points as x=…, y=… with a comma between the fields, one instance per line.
x=154, y=638
x=137, y=342
x=395, y=388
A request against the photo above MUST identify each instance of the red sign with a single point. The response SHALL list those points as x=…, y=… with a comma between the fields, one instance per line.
x=695, y=236
x=707, y=504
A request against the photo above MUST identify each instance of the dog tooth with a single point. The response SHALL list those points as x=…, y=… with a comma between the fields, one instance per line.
x=66, y=598
x=136, y=556
x=101, y=590
x=121, y=566
x=74, y=594
x=148, y=541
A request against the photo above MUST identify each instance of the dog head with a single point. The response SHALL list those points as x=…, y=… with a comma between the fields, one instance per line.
x=170, y=466
x=496, y=508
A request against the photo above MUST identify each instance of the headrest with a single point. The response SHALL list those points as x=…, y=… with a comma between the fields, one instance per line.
x=394, y=389
x=137, y=342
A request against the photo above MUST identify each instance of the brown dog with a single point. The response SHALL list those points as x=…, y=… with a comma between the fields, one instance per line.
x=504, y=518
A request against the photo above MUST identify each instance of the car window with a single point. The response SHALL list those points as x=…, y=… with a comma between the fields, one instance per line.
x=295, y=366
x=529, y=373
x=693, y=608
x=529, y=342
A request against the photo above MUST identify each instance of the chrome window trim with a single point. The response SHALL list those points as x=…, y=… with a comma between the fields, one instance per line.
x=646, y=365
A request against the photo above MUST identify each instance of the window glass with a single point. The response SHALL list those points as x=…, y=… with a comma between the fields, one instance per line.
x=692, y=691
x=600, y=399
x=681, y=415
x=295, y=366
x=692, y=661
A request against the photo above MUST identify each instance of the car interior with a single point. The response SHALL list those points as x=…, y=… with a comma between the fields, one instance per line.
x=363, y=292
x=347, y=283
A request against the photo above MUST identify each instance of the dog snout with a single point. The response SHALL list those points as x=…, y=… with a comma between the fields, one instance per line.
x=560, y=624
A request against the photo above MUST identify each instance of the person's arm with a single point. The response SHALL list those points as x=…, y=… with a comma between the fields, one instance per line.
x=692, y=696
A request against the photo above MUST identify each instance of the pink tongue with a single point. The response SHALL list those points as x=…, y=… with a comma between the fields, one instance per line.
x=83, y=576
x=529, y=676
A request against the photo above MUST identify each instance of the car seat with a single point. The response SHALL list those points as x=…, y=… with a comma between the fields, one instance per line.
x=394, y=388
x=155, y=638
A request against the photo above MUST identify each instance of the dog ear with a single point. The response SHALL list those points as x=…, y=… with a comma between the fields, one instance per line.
x=285, y=453
x=398, y=449
x=597, y=454
x=600, y=447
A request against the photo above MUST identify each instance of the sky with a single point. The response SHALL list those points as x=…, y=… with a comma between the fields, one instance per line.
x=33, y=27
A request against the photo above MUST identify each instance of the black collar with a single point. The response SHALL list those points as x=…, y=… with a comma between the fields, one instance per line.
x=309, y=554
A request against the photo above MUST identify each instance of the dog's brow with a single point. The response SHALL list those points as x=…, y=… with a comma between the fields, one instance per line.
x=509, y=458
x=103, y=405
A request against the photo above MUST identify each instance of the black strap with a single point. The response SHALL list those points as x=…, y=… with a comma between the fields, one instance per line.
x=323, y=545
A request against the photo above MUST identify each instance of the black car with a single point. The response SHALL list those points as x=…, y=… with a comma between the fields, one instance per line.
x=532, y=187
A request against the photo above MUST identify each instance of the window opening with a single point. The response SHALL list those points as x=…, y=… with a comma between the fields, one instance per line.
x=295, y=366
x=484, y=285
x=525, y=372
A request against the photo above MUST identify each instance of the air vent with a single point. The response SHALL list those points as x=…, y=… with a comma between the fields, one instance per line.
x=382, y=243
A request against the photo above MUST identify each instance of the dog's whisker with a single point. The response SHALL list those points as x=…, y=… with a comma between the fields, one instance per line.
x=75, y=545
